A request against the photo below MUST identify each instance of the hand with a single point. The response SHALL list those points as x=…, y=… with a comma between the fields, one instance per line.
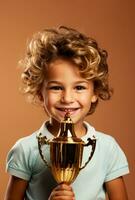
x=62, y=192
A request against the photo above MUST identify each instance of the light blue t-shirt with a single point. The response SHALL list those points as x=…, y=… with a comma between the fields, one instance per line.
x=107, y=163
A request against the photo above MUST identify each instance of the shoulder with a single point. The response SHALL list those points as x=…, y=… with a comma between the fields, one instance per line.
x=109, y=144
x=23, y=148
x=106, y=139
x=113, y=157
x=107, y=147
x=23, y=158
x=25, y=145
x=102, y=138
x=27, y=142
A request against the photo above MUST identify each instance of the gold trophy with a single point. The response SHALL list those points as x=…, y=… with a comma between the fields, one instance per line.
x=66, y=151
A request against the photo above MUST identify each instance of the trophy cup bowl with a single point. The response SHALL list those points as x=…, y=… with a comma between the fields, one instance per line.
x=66, y=151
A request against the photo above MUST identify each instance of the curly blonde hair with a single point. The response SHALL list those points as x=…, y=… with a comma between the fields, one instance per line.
x=66, y=43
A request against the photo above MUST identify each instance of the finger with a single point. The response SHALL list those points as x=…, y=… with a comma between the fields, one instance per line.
x=61, y=197
x=62, y=194
x=64, y=186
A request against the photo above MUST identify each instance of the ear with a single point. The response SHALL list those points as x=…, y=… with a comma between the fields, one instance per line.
x=94, y=98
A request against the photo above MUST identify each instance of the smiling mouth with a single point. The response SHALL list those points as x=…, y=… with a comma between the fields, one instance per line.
x=67, y=109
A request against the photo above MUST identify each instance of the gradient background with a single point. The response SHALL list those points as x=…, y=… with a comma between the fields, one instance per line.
x=112, y=23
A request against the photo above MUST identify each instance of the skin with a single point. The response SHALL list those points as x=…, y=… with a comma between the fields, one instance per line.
x=116, y=189
x=75, y=94
x=16, y=189
x=62, y=192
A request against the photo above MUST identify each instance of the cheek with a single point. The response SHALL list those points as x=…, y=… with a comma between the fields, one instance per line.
x=51, y=99
x=86, y=103
x=85, y=99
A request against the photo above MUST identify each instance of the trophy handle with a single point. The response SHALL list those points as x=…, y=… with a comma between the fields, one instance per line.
x=41, y=141
x=91, y=142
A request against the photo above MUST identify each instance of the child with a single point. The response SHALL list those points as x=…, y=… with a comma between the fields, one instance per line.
x=64, y=70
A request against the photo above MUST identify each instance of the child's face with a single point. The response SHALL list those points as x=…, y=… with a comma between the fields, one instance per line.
x=64, y=89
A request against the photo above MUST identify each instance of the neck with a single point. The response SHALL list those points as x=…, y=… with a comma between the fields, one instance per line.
x=80, y=130
x=53, y=127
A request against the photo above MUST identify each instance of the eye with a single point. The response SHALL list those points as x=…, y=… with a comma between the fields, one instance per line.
x=55, y=87
x=80, y=87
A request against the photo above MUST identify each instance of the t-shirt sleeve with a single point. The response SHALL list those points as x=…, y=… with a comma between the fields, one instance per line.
x=117, y=162
x=19, y=162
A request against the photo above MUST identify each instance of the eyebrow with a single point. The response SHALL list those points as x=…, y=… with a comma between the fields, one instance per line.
x=58, y=82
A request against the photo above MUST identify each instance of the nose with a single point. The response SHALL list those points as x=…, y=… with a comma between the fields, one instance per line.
x=67, y=97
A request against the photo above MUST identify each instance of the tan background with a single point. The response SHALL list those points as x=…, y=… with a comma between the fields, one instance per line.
x=112, y=23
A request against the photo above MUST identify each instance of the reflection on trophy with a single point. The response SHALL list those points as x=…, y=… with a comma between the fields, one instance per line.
x=66, y=151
